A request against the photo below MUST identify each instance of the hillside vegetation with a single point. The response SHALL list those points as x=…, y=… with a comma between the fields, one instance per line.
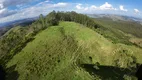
x=17, y=38
x=119, y=31
x=67, y=46
x=64, y=48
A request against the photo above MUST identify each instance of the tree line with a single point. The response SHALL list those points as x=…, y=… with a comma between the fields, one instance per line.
x=54, y=17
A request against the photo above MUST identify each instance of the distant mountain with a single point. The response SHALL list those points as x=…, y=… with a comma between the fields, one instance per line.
x=123, y=29
x=21, y=22
x=116, y=17
x=4, y=27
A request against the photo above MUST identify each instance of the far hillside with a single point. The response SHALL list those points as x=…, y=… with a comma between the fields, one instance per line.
x=130, y=27
x=123, y=31
x=72, y=51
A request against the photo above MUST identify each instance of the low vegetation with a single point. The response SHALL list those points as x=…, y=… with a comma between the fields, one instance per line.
x=66, y=46
x=120, y=31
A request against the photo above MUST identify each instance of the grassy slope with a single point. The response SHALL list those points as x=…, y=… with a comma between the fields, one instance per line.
x=121, y=31
x=129, y=27
x=56, y=52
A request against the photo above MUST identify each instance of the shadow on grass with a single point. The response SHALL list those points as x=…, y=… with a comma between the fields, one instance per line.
x=11, y=73
x=107, y=72
x=2, y=73
x=16, y=50
x=139, y=73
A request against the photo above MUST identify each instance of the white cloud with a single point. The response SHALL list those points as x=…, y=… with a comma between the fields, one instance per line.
x=79, y=6
x=136, y=11
x=107, y=6
x=86, y=8
x=2, y=10
x=61, y=4
x=93, y=7
x=122, y=8
x=1, y=6
x=45, y=3
x=7, y=3
x=34, y=11
x=5, y=12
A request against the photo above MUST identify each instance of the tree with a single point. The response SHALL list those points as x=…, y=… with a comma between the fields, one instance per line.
x=52, y=19
x=42, y=21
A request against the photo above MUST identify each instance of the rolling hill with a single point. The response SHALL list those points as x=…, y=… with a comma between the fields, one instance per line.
x=67, y=46
x=121, y=31
x=59, y=51
x=4, y=27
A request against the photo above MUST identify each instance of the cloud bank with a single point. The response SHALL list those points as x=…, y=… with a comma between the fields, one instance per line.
x=30, y=12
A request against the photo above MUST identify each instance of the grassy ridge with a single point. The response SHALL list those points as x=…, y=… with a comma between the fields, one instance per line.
x=129, y=27
x=57, y=52
x=52, y=57
x=126, y=32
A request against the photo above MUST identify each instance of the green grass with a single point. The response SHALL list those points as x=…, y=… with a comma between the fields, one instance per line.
x=120, y=31
x=129, y=27
x=57, y=52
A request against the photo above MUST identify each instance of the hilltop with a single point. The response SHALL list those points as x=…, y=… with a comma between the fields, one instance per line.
x=67, y=46
x=64, y=48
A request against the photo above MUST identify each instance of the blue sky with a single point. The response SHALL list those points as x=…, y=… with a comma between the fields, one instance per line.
x=19, y=9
